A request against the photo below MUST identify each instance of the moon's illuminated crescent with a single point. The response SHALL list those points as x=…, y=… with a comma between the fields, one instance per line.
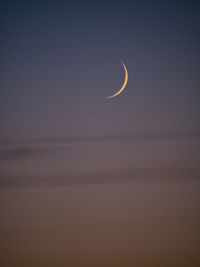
x=124, y=84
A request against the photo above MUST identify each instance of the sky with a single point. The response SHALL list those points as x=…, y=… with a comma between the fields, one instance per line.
x=59, y=60
x=113, y=168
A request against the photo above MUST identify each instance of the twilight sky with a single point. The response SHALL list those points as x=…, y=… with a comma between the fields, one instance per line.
x=89, y=181
x=60, y=59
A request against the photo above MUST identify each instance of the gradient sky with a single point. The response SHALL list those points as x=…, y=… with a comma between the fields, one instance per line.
x=90, y=181
x=60, y=59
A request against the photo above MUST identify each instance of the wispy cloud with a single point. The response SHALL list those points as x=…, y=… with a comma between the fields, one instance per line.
x=183, y=169
x=21, y=153
x=107, y=138
x=138, y=175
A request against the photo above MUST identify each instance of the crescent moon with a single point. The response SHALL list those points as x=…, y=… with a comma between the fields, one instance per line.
x=124, y=84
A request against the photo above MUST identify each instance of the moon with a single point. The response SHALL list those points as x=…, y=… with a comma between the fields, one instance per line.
x=124, y=84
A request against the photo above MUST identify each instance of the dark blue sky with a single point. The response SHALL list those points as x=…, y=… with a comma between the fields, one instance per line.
x=60, y=59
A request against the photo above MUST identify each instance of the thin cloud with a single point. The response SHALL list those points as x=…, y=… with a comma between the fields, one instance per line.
x=21, y=153
x=137, y=175
x=108, y=138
